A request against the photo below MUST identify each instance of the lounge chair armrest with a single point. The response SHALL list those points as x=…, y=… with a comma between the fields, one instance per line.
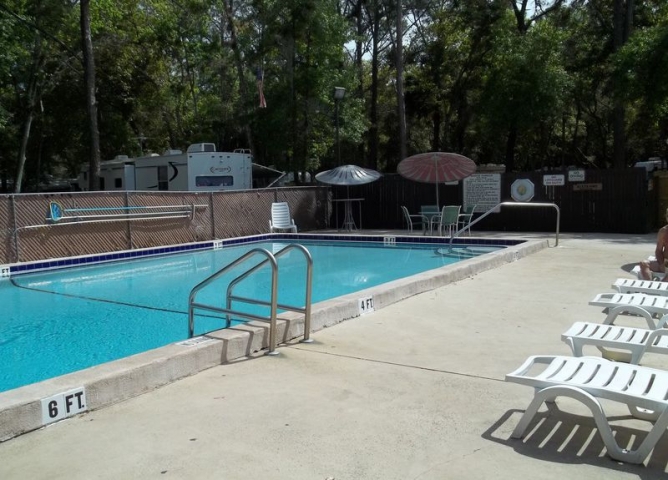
x=528, y=364
x=654, y=334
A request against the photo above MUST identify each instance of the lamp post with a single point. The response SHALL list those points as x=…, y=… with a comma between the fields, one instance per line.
x=339, y=93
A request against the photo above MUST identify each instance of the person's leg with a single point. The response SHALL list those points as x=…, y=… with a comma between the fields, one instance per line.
x=647, y=267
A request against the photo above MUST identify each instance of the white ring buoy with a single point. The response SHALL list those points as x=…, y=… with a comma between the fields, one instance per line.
x=522, y=190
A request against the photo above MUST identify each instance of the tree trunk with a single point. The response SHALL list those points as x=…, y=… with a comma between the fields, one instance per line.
x=243, y=87
x=373, y=112
x=401, y=106
x=31, y=101
x=510, y=149
x=618, y=113
x=436, y=130
x=359, y=64
x=91, y=103
x=25, y=134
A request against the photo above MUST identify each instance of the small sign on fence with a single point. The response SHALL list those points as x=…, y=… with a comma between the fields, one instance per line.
x=576, y=175
x=581, y=187
x=553, y=180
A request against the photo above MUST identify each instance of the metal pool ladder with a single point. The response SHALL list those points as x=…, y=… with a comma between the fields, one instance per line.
x=230, y=297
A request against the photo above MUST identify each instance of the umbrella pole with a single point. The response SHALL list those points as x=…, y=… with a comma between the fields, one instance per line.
x=438, y=204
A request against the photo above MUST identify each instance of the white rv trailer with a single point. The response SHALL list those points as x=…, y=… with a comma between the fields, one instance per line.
x=200, y=169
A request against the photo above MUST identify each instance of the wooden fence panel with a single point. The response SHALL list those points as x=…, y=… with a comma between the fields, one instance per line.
x=620, y=201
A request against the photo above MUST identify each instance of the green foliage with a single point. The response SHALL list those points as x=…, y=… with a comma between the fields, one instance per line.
x=525, y=84
x=643, y=66
x=171, y=73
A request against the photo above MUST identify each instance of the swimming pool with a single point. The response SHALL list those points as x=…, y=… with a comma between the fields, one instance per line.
x=57, y=322
x=38, y=404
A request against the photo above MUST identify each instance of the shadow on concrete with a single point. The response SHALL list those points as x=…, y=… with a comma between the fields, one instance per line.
x=629, y=266
x=561, y=437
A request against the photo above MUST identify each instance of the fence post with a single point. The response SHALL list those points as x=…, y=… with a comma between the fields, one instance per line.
x=213, y=217
x=129, y=224
x=16, y=231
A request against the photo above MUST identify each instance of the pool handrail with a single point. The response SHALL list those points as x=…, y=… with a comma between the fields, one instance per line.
x=270, y=258
x=513, y=204
x=307, y=301
x=274, y=281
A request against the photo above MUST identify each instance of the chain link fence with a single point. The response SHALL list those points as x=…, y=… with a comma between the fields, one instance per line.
x=97, y=222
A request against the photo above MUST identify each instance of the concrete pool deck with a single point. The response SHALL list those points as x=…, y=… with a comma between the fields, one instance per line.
x=412, y=391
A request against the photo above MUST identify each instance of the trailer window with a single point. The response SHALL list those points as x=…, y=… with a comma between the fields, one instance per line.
x=118, y=183
x=214, y=181
x=163, y=183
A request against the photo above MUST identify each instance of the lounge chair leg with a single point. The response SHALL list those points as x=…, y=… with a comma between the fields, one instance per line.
x=576, y=347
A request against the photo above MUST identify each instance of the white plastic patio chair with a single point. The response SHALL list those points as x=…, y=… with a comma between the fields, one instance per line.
x=415, y=220
x=464, y=219
x=643, y=390
x=280, y=218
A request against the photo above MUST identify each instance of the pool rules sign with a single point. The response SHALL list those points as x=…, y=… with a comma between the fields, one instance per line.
x=63, y=405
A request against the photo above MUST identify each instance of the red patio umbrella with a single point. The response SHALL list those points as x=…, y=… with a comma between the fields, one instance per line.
x=436, y=167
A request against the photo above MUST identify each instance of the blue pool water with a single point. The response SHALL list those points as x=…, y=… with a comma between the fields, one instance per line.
x=61, y=321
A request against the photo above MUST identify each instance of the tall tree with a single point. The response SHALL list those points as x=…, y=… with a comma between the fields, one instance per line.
x=524, y=21
x=91, y=103
x=32, y=92
x=399, y=61
x=622, y=21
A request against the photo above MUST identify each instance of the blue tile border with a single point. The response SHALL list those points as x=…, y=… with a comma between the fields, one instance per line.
x=61, y=263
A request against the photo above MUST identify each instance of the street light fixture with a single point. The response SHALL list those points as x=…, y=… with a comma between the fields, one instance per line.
x=339, y=93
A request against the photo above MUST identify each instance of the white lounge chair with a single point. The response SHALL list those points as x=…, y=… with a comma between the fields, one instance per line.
x=631, y=285
x=654, y=305
x=587, y=379
x=634, y=342
x=280, y=218
x=605, y=336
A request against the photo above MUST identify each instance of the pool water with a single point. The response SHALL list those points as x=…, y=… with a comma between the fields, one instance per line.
x=66, y=320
